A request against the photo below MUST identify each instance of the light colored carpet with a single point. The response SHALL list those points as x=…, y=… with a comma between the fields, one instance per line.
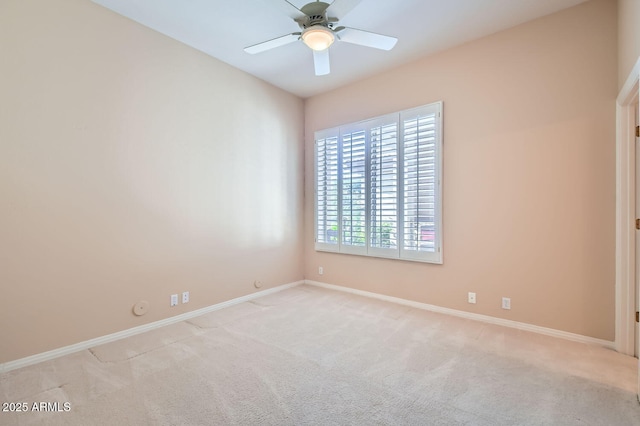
x=311, y=356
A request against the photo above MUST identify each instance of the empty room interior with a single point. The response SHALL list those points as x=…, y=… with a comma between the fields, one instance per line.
x=205, y=220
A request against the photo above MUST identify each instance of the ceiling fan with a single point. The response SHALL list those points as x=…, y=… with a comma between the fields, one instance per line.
x=318, y=20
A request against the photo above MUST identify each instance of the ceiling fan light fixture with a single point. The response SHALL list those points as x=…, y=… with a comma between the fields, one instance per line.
x=318, y=37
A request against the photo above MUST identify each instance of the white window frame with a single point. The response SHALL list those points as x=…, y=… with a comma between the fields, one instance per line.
x=337, y=135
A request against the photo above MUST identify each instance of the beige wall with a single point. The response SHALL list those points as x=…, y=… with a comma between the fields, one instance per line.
x=628, y=37
x=133, y=167
x=529, y=173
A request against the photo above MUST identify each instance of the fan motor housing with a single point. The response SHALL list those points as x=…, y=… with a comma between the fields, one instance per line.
x=316, y=20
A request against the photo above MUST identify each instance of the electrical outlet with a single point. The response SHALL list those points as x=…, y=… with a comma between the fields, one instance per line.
x=174, y=300
x=506, y=303
x=185, y=297
x=320, y=270
x=472, y=297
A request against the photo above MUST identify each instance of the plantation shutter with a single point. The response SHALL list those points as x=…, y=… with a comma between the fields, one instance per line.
x=383, y=189
x=327, y=190
x=378, y=186
x=421, y=186
x=353, y=198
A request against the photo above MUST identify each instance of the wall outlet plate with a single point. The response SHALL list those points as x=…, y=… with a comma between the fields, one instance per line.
x=506, y=303
x=185, y=297
x=174, y=300
x=472, y=297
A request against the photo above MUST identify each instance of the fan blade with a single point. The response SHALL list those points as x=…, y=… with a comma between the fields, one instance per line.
x=276, y=42
x=291, y=10
x=365, y=38
x=287, y=8
x=339, y=8
x=321, y=62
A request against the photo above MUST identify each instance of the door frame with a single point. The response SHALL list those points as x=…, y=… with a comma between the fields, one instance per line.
x=626, y=213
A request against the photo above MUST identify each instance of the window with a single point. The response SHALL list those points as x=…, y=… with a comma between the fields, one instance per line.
x=378, y=186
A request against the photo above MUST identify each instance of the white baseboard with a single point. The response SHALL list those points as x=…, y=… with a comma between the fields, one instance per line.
x=55, y=353
x=468, y=315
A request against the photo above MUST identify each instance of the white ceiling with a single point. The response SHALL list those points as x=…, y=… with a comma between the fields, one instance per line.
x=222, y=28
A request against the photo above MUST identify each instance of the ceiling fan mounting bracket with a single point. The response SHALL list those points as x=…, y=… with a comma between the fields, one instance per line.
x=317, y=8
